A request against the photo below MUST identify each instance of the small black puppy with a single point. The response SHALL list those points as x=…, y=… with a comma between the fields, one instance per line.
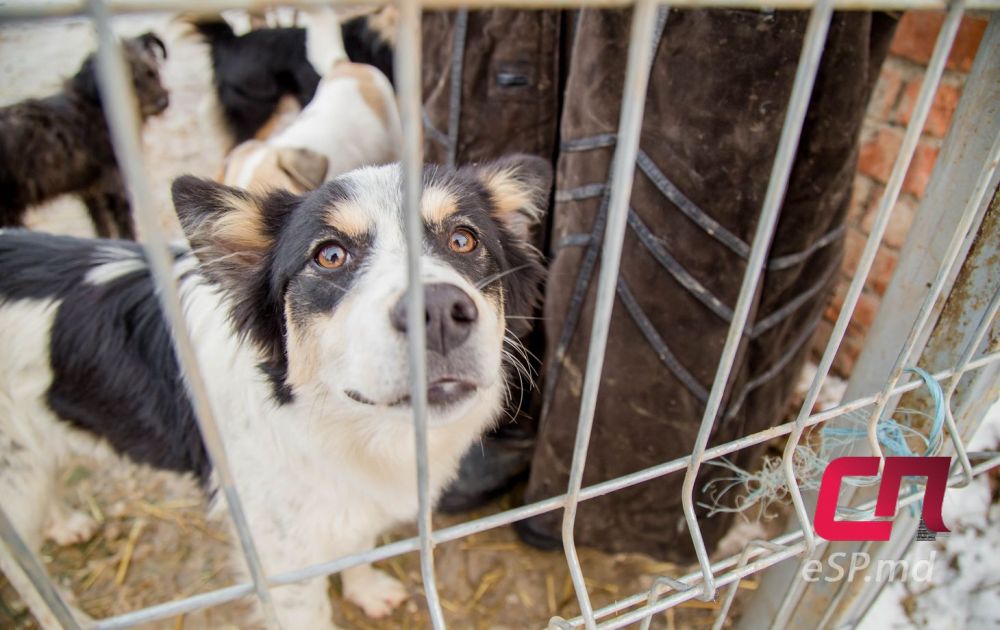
x=61, y=144
x=255, y=70
x=370, y=39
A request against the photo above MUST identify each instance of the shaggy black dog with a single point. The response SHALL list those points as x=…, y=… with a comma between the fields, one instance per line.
x=61, y=144
x=255, y=70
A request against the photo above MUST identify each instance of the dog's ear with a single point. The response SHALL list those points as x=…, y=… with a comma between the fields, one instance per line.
x=232, y=233
x=151, y=43
x=84, y=82
x=304, y=167
x=519, y=188
x=230, y=230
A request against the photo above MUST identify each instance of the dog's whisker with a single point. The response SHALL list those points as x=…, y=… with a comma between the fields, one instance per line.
x=488, y=280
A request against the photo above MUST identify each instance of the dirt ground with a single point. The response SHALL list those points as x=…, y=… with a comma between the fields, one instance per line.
x=155, y=544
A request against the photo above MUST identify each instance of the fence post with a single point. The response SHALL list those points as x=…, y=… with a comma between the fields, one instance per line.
x=975, y=127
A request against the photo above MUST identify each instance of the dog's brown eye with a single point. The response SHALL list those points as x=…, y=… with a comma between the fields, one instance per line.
x=462, y=241
x=331, y=256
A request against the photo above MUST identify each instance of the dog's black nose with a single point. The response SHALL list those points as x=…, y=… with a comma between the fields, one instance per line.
x=449, y=316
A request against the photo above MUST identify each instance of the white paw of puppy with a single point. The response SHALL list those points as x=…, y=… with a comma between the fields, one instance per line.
x=374, y=591
x=70, y=527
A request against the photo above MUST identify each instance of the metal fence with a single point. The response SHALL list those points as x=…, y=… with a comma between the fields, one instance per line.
x=955, y=239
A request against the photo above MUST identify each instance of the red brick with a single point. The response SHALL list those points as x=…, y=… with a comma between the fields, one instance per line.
x=887, y=89
x=836, y=299
x=920, y=168
x=853, y=342
x=900, y=220
x=853, y=246
x=963, y=52
x=820, y=339
x=878, y=152
x=882, y=269
x=850, y=349
x=861, y=193
x=942, y=108
x=918, y=31
x=865, y=310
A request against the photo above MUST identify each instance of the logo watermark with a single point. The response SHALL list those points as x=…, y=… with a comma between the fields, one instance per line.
x=844, y=566
x=935, y=469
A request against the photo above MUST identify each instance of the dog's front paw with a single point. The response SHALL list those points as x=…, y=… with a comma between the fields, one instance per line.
x=374, y=591
x=70, y=527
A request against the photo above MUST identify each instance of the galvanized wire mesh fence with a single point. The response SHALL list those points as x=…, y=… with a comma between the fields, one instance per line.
x=976, y=133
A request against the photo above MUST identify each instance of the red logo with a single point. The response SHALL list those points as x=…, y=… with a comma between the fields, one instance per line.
x=935, y=469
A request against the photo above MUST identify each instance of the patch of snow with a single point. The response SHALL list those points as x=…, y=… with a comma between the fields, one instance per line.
x=830, y=393
x=964, y=591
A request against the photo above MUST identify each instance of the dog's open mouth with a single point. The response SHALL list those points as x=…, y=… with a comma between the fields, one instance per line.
x=440, y=393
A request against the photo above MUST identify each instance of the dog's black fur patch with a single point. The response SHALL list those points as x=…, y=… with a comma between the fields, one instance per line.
x=61, y=144
x=253, y=71
x=365, y=45
x=294, y=277
x=114, y=371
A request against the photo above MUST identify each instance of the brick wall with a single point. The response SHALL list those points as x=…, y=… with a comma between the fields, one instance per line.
x=888, y=113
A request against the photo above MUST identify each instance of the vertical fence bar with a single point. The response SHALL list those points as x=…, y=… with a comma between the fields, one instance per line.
x=640, y=55
x=28, y=576
x=654, y=594
x=116, y=88
x=927, y=308
x=805, y=77
x=407, y=64
x=898, y=546
x=727, y=602
x=966, y=148
x=962, y=318
x=124, y=125
x=920, y=111
x=970, y=351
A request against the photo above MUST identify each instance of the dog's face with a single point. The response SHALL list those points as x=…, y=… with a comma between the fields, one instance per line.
x=319, y=281
x=144, y=55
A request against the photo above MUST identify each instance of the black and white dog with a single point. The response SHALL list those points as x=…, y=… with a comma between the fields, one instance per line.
x=297, y=311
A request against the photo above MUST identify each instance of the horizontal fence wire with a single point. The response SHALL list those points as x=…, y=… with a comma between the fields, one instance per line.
x=638, y=64
x=864, y=266
x=798, y=103
x=116, y=86
x=790, y=549
x=755, y=557
x=455, y=532
x=27, y=575
x=29, y=9
x=970, y=350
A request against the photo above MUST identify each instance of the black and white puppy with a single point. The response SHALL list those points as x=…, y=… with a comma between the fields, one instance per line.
x=297, y=310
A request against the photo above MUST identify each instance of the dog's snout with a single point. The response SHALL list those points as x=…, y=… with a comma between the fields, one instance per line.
x=449, y=314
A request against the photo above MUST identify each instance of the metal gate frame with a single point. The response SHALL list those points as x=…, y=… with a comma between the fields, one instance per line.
x=949, y=216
